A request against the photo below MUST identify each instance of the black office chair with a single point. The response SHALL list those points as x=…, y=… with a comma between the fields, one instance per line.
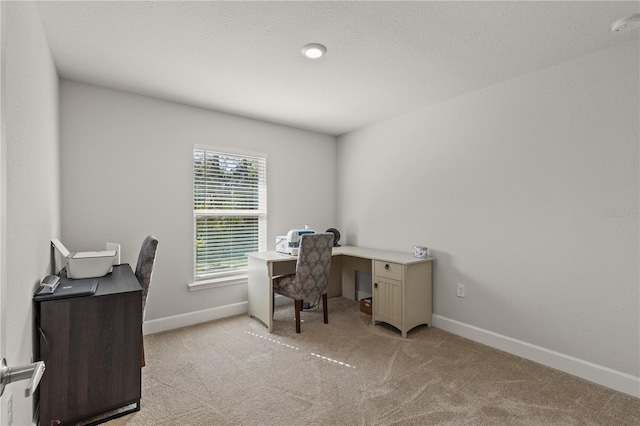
x=144, y=271
x=312, y=273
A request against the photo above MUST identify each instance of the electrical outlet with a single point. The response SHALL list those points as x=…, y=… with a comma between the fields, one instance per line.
x=10, y=410
x=461, y=290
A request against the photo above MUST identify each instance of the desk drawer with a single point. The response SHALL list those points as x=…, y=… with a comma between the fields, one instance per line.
x=388, y=270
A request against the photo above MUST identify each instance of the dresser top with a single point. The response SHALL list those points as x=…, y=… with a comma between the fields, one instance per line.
x=120, y=280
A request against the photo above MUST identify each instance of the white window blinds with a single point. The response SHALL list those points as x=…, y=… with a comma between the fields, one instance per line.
x=230, y=211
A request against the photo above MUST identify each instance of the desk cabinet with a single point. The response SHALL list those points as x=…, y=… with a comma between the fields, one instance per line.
x=402, y=294
x=387, y=292
x=91, y=347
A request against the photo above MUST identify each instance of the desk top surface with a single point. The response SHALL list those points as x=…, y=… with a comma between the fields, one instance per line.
x=120, y=280
x=361, y=252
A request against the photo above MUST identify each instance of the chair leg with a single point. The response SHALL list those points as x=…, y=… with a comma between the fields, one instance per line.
x=298, y=308
x=324, y=308
x=301, y=304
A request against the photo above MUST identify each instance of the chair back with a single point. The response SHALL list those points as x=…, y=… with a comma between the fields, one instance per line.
x=314, y=264
x=144, y=268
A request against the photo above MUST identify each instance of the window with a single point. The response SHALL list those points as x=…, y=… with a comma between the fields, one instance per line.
x=230, y=211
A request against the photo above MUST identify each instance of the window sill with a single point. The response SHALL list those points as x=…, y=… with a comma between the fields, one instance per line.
x=218, y=282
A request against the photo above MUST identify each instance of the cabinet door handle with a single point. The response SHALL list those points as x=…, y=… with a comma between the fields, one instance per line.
x=386, y=266
x=375, y=285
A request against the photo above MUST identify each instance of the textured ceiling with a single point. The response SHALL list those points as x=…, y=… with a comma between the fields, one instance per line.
x=383, y=59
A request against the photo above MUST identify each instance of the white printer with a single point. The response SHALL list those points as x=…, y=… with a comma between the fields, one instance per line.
x=290, y=244
x=86, y=264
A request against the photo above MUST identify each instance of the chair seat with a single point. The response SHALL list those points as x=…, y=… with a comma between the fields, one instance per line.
x=287, y=285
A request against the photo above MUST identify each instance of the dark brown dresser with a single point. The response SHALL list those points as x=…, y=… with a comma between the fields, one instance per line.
x=91, y=346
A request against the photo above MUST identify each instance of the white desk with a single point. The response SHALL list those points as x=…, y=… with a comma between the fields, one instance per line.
x=401, y=283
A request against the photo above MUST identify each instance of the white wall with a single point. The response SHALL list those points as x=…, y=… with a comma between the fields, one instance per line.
x=514, y=187
x=32, y=188
x=127, y=164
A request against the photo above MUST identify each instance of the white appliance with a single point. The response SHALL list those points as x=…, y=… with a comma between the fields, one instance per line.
x=290, y=244
x=86, y=264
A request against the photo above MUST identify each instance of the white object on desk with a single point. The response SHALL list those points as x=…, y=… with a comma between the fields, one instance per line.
x=290, y=243
x=86, y=264
x=116, y=247
x=420, y=251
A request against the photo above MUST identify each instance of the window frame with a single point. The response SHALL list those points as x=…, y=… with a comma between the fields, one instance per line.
x=238, y=275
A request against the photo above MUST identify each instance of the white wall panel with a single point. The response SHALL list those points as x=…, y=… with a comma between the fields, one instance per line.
x=32, y=185
x=528, y=193
x=127, y=165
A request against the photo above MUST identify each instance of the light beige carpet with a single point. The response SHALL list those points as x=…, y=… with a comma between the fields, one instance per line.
x=349, y=372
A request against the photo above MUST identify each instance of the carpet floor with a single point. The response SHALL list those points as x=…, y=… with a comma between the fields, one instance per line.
x=350, y=372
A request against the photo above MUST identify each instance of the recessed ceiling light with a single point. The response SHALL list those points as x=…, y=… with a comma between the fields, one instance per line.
x=624, y=24
x=313, y=50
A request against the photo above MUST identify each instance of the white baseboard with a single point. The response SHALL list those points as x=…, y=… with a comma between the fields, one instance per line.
x=197, y=317
x=604, y=376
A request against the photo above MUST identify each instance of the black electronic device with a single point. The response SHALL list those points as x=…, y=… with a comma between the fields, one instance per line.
x=336, y=236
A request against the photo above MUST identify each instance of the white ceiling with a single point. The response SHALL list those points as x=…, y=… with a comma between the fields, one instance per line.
x=383, y=59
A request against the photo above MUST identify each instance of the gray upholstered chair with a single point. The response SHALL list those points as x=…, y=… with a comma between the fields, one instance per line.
x=312, y=273
x=144, y=271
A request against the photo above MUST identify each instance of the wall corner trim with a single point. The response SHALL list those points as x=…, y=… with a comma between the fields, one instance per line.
x=604, y=376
